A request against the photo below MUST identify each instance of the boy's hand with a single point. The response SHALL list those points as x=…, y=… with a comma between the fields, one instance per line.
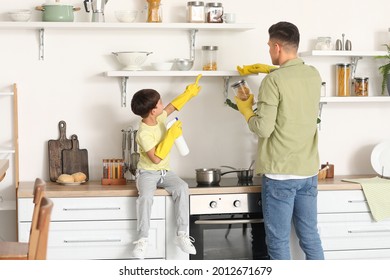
x=191, y=91
x=245, y=107
x=165, y=146
x=255, y=69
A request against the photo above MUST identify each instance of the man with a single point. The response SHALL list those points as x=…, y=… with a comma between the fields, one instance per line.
x=286, y=124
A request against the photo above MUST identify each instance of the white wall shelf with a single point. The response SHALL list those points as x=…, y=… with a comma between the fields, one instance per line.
x=124, y=75
x=342, y=53
x=355, y=99
x=190, y=27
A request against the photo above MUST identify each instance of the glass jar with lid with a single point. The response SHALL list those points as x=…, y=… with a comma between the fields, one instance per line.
x=361, y=86
x=214, y=12
x=343, y=79
x=195, y=11
x=154, y=11
x=209, y=58
x=241, y=89
x=324, y=43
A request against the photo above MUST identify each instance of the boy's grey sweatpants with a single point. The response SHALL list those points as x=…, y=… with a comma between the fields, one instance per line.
x=147, y=182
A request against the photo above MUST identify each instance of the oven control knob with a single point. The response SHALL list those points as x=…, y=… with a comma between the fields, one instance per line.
x=213, y=204
x=237, y=203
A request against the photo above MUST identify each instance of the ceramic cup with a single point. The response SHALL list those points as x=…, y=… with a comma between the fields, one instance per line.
x=229, y=17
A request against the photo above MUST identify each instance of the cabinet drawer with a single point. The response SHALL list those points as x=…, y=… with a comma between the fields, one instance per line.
x=358, y=254
x=98, y=239
x=353, y=231
x=342, y=202
x=93, y=208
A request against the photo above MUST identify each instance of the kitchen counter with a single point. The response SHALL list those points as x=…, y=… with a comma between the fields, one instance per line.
x=227, y=185
x=4, y=164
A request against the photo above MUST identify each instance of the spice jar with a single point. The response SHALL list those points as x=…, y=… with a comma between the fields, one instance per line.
x=361, y=86
x=214, y=12
x=241, y=89
x=343, y=79
x=209, y=58
x=154, y=11
x=195, y=11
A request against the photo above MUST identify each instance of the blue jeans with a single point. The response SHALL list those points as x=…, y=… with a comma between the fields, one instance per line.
x=286, y=201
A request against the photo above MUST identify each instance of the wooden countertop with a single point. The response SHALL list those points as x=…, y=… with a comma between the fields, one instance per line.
x=4, y=164
x=227, y=185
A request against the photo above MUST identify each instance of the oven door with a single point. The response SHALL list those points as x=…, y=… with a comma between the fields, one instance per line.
x=228, y=236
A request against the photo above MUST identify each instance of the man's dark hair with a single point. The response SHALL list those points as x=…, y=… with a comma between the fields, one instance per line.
x=285, y=32
x=144, y=101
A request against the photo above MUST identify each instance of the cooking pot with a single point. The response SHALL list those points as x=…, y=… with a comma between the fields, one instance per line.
x=57, y=12
x=212, y=176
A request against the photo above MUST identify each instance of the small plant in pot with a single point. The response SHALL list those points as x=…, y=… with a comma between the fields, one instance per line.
x=385, y=70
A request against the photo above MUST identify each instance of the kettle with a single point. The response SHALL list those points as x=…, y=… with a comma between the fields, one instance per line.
x=97, y=9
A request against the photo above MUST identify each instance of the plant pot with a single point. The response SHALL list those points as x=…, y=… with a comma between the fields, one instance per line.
x=57, y=12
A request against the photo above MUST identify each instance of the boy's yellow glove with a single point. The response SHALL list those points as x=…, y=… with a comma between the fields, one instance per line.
x=245, y=107
x=191, y=91
x=255, y=69
x=165, y=146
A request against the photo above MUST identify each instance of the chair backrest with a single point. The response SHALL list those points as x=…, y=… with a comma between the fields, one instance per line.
x=42, y=230
x=38, y=193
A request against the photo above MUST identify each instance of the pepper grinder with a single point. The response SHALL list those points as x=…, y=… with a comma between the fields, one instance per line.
x=342, y=45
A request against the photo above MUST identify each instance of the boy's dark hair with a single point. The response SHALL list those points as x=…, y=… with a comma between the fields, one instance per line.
x=144, y=101
x=285, y=32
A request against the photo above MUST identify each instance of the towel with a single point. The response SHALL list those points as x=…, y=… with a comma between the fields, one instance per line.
x=377, y=193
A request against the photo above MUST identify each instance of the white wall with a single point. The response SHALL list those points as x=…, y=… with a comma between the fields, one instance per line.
x=69, y=84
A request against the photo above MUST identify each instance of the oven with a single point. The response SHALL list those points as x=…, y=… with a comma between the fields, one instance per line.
x=227, y=226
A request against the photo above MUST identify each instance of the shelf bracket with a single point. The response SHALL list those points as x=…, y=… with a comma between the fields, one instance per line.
x=226, y=80
x=192, y=43
x=41, y=44
x=124, y=91
x=354, y=63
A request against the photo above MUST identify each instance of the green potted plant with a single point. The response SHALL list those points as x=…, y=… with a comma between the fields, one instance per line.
x=385, y=70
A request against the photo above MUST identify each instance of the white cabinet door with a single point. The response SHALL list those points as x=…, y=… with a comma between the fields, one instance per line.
x=342, y=202
x=358, y=254
x=99, y=239
x=93, y=208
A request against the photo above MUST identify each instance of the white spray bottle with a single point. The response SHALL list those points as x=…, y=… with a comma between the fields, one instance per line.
x=180, y=143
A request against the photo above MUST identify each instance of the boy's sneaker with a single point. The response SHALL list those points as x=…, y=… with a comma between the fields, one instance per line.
x=184, y=242
x=141, y=246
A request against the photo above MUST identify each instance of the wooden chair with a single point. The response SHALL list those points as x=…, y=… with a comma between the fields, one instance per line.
x=37, y=246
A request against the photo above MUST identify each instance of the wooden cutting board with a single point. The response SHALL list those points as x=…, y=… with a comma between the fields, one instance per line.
x=55, y=152
x=75, y=160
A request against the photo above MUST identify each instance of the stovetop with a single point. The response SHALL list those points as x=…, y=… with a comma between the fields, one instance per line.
x=226, y=182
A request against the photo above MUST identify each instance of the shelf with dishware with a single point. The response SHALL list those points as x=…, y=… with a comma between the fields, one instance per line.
x=125, y=75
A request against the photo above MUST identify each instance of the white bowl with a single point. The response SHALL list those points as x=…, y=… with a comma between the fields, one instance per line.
x=126, y=16
x=131, y=60
x=162, y=66
x=20, y=15
x=183, y=64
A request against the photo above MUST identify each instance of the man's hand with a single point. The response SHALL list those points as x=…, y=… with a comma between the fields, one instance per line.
x=255, y=69
x=245, y=107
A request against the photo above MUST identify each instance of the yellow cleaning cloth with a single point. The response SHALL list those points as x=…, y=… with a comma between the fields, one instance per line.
x=377, y=193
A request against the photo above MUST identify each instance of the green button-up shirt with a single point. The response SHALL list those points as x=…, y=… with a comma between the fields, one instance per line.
x=286, y=120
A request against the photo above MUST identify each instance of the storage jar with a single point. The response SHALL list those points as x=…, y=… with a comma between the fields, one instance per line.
x=214, y=12
x=195, y=11
x=209, y=58
x=241, y=90
x=343, y=79
x=361, y=86
x=154, y=11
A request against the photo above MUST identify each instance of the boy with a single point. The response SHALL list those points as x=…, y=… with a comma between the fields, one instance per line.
x=156, y=142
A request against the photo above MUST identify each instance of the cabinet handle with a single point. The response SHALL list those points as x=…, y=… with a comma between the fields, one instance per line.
x=357, y=201
x=229, y=222
x=93, y=241
x=91, y=209
x=368, y=231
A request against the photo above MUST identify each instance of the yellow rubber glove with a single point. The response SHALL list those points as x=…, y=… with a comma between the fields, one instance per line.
x=255, y=69
x=191, y=91
x=245, y=107
x=165, y=146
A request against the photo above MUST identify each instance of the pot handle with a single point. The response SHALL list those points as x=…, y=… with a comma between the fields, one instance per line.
x=114, y=53
x=233, y=171
x=149, y=53
x=39, y=8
